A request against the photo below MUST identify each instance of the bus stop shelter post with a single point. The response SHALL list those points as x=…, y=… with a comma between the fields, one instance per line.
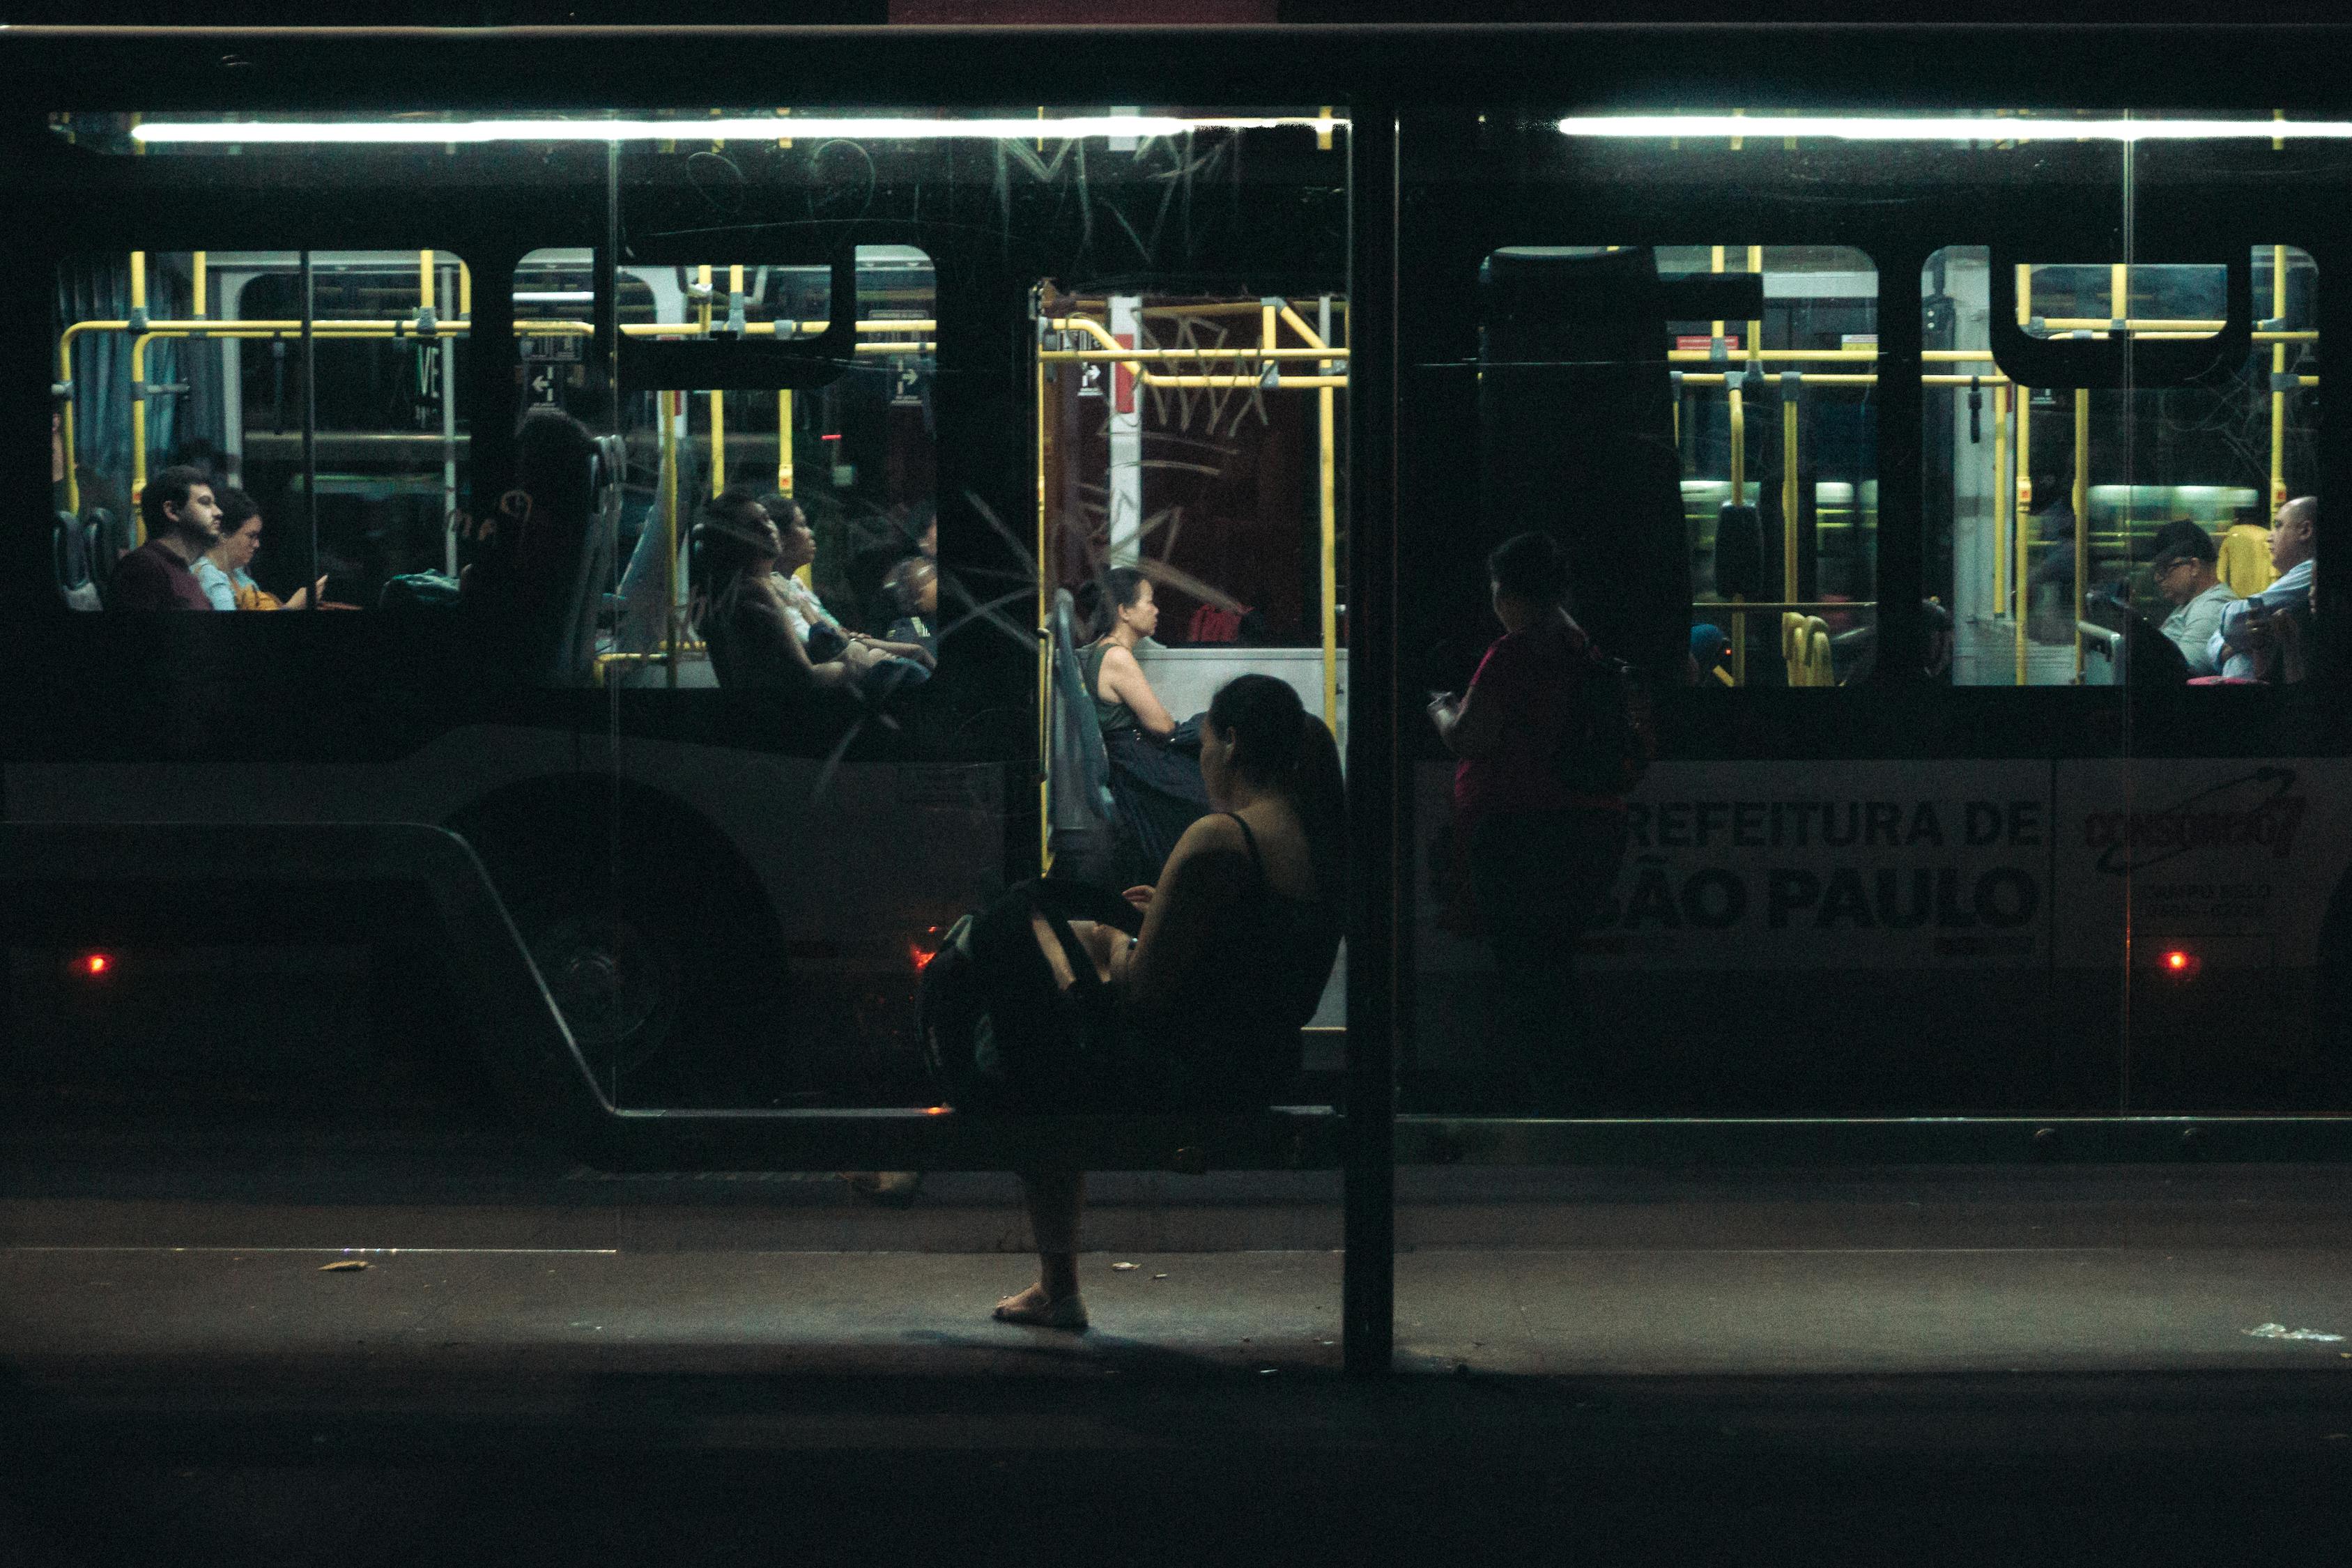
x=1376, y=848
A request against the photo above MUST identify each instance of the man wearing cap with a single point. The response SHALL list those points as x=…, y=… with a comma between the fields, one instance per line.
x=2242, y=644
x=2183, y=570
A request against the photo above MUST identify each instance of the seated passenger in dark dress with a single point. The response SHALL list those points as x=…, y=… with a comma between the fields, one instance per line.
x=1155, y=788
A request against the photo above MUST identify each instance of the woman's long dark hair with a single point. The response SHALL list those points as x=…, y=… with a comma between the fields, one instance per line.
x=726, y=544
x=1101, y=600
x=1277, y=745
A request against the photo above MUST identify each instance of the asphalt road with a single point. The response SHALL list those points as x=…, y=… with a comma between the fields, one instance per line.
x=540, y=1362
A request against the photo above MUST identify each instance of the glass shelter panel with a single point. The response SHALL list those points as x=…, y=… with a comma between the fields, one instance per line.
x=969, y=469
x=725, y=528
x=1698, y=887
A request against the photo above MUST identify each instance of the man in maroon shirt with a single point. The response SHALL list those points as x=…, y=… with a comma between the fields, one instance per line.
x=183, y=523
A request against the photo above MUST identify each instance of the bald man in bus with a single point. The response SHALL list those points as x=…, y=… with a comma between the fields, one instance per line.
x=2241, y=646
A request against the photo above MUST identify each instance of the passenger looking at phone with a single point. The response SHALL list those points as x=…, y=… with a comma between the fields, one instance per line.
x=2243, y=647
x=2184, y=573
x=224, y=570
x=183, y=522
x=1156, y=787
x=1237, y=940
x=1540, y=843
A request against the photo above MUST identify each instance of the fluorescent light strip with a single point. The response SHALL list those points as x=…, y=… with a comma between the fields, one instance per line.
x=1862, y=128
x=431, y=133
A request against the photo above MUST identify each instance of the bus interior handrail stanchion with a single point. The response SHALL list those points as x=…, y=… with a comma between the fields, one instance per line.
x=310, y=432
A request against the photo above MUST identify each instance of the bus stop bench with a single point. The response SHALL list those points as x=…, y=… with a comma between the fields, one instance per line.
x=1284, y=1137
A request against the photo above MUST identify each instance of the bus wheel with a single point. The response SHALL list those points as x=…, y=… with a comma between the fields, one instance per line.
x=650, y=932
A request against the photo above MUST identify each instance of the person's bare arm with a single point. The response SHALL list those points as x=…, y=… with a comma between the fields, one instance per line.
x=914, y=651
x=1471, y=725
x=1206, y=879
x=832, y=673
x=1124, y=676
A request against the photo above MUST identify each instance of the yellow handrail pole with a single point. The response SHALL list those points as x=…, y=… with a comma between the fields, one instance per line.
x=673, y=409
x=1252, y=354
x=2024, y=507
x=1288, y=382
x=425, y=280
x=718, y=442
x=784, y=440
x=1299, y=324
x=1738, y=419
x=2081, y=516
x=718, y=399
x=2001, y=493
x=138, y=398
x=1328, y=534
x=1739, y=482
x=196, y=285
x=465, y=291
x=2023, y=512
x=138, y=435
x=66, y=419
x=2278, y=368
x=1790, y=497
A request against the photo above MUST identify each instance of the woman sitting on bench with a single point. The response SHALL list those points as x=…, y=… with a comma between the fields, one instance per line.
x=1238, y=943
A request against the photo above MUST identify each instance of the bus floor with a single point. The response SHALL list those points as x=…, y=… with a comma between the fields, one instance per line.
x=540, y=1361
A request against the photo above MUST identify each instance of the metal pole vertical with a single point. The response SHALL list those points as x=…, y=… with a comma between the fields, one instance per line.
x=1375, y=766
x=1902, y=475
x=310, y=434
x=2278, y=369
x=2081, y=499
x=2021, y=506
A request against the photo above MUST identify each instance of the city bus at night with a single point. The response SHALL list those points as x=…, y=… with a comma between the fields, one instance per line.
x=1883, y=434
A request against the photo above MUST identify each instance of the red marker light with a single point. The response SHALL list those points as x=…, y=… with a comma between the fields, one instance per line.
x=922, y=956
x=2180, y=961
x=96, y=963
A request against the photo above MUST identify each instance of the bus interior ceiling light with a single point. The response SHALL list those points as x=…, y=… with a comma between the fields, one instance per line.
x=1891, y=128
x=430, y=131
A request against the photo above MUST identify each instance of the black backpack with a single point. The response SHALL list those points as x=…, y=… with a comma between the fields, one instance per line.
x=1607, y=740
x=998, y=1033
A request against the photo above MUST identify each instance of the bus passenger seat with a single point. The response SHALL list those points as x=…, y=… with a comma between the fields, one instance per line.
x=73, y=550
x=1080, y=822
x=2244, y=566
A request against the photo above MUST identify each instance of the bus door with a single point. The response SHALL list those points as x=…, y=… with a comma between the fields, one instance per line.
x=1205, y=472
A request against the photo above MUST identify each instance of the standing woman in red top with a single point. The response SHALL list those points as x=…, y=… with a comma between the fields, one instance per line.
x=1540, y=857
